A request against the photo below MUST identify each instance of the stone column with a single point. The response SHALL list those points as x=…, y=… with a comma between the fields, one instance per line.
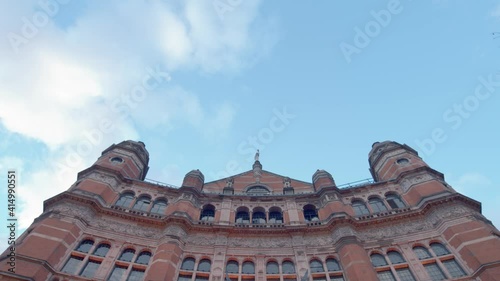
x=355, y=261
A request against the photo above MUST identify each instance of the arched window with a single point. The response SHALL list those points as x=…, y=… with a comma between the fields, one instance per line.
x=395, y=257
x=332, y=265
x=394, y=201
x=127, y=255
x=204, y=265
x=439, y=249
x=85, y=246
x=232, y=267
x=143, y=257
x=242, y=217
x=316, y=266
x=159, y=207
x=275, y=215
x=257, y=190
x=421, y=252
x=288, y=267
x=125, y=200
x=378, y=260
x=102, y=250
x=208, y=213
x=310, y=213
x=360, y=208
x=143, y=203
x=272, y=267
x=377, y=205
x=248, y=268
x=258, y=217
x=187, y=264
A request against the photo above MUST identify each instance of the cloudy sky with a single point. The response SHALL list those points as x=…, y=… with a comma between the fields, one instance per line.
x=206, y=83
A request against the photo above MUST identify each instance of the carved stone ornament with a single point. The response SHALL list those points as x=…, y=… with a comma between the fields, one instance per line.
x=408, y=182
x=110, y=180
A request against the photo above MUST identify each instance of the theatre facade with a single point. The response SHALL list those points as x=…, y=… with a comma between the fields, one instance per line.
x=112, y=224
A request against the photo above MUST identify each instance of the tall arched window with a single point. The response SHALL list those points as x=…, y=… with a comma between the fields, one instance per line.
x=85, y=246
x=377, y=205
x=394, y=201
x=204, y=265
x=395, y=257
x=288, y=267
x=360, y=208
x=102, y=250
x=242, y=216
x=310, y=213
x=275, y=215
x=187, y=264
x=143, y=203
x=248, y=268
x=316, y=266
x=232, y=267
x=143, y=257
x=272, y=267
x=127, y=255
x=258, y=216
x=439, y=249
x=332, y=265
x=159, y=207
x=378, y=260
x=421, y=252
x=125, y=200
x=208, y=213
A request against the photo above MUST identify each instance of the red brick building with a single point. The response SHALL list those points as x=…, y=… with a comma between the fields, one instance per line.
x=111, y=224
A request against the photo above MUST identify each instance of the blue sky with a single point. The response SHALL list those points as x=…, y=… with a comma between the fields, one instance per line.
x=206, y=83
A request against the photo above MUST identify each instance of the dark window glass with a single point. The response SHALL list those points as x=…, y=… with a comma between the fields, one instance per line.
x=242, y=217
x=272, y=268
x=434, y=272
x=377, y=205
x=453, y=268
x=405, y=274
x=72, y=265
x=117, y=273
x=439, y=249
x=337, y=278
x=421, y=252
x=360, y=208
x=187, y=264
x=208, y=213
x=136, y=275
x=232, y=267
x=332, y=265
x=378, y=260
x=90, y=269
x=204, y=265
x=85, y=246
x=142, y=204
x=310, y=213
x=184, y=278
x=394, y=201
x=127, y=255
x=125, y=200
x=248, y=268
x=143, y=257
x=201, y=278
x=395, y=257
x=258, y=217
x=275, y=217
x=385, y=276
x=288, y=267
x=102, y=250
x=316, y=266
x=159, y=207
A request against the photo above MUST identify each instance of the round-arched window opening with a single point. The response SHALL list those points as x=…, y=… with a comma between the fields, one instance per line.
x=403, y=161
x=117, y=160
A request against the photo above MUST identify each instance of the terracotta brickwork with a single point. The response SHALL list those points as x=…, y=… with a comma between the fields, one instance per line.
x=111, y=224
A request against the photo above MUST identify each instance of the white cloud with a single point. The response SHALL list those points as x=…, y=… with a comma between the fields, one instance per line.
x=470, y=182
x=496, y=12
x=63, y=82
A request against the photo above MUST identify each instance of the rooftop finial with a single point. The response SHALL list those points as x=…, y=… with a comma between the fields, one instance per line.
x=257, y=155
